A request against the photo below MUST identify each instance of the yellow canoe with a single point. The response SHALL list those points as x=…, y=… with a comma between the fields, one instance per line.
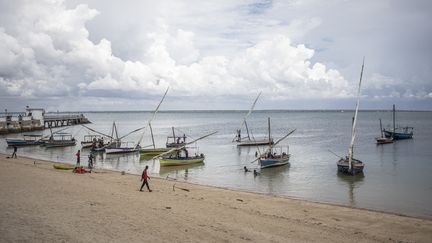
x=63, y=167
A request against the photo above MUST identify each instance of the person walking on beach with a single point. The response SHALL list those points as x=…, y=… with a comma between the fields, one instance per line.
x=144, y=178
x=14, y=154
x=78, y=156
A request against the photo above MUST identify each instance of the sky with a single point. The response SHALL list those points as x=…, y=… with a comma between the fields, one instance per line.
x=76, y=55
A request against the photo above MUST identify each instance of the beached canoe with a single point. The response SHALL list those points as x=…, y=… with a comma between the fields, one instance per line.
x=63, y=167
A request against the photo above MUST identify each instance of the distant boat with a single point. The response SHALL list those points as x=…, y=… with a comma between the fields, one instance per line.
x=348, y=164
x=117, y=146
x=247, y=141
x=398, y=133
x=275, y=156
x=90, y=140
x=177, y=141
x=181, y=156
x=383, y=139
x=27, y=140
x=60, y=140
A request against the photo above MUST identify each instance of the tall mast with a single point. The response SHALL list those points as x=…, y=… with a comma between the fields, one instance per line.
x=269, y=131
x=247, y=129
x=381, y=130
x=394, y=119
x=174, y=138
x=353, y=131
x=151, y=132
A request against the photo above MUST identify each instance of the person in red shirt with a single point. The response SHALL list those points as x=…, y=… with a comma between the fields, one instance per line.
x=144, y=178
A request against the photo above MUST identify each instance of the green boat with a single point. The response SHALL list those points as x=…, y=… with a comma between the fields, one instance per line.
x=177, y=160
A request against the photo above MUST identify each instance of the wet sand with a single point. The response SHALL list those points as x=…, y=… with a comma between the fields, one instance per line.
x=39, y=203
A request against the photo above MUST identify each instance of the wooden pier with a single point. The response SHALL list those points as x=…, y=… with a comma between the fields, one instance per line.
x=60, y=120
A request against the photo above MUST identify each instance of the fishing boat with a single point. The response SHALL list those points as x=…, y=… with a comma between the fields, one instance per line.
x=90, y=141
x=349, y=165
x=122, y=147
x=60, y=140
x=247, y=141
x=181, y=156
x=398, y=133
x=274, y=155
x=27, y=140
x=148, y=152
x=383, y=139
x=177, y=141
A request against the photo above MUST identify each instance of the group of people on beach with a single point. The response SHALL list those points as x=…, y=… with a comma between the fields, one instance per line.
x=144, y=177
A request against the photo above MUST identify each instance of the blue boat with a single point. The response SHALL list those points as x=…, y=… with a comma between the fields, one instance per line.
x=27, y=140
x=398, y=133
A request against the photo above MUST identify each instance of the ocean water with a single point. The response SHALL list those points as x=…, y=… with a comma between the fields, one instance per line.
x=397, y=177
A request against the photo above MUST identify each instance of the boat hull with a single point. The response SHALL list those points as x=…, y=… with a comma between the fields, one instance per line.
x=357, y=167
x=254, y=143
x=383, y=140
x=274, y=162
x=153, y=152
x=397, y=135
x=21, y=142
x=56, y=144
x=63, y=167
x=120, y=150
x=181, y=161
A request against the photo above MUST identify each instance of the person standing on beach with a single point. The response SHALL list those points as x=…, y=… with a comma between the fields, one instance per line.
x=14, y=154
x=78, y=156
x=144, y=178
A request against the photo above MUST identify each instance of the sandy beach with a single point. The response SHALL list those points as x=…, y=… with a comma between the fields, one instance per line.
x=41, y=204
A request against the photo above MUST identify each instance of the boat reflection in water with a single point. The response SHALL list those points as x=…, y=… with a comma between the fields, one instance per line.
x=352, y=182
x=179, y=172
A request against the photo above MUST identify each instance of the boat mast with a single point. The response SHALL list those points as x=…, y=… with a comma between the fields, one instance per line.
x=394, y=119
x=269, y=131
x=151, y=132
x=353, y=131
x=247, y=130
x=174, y=138
x=381, y=130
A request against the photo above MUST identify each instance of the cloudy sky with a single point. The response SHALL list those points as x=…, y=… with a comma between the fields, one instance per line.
x=302, y=54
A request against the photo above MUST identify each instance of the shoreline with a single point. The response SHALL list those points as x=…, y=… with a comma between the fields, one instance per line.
x=40, y=203
x=244, y=191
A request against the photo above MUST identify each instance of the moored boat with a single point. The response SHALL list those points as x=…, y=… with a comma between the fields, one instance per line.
x=60, y=140
x=179, y=160
x=398, y=133
x=349, y=165
x=27, y=140
x=383, y=139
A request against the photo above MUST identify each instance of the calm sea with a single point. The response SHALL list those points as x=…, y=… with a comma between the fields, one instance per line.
x=397, y=177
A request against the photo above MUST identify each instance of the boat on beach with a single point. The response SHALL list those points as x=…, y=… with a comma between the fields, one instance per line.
x=247, y=141
x=398, y=133
x=349, y=165
x=27, y=140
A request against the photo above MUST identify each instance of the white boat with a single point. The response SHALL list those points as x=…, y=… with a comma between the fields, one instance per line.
x=247, y=141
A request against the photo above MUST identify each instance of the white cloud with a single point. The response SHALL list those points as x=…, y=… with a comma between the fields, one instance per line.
x=211, y=49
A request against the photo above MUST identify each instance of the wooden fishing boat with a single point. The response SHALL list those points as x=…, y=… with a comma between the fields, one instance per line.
x=90, y=141
x=177, y=141
x=63, y=167
x=349, y=165
x=274, y=156
x=147, y=152
x=398, y=133
x=181, y=160
x=383, y=139
x=125, y=147
x=247, y=141
x=27, y=140
x=180, y=156
x=60, y=140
